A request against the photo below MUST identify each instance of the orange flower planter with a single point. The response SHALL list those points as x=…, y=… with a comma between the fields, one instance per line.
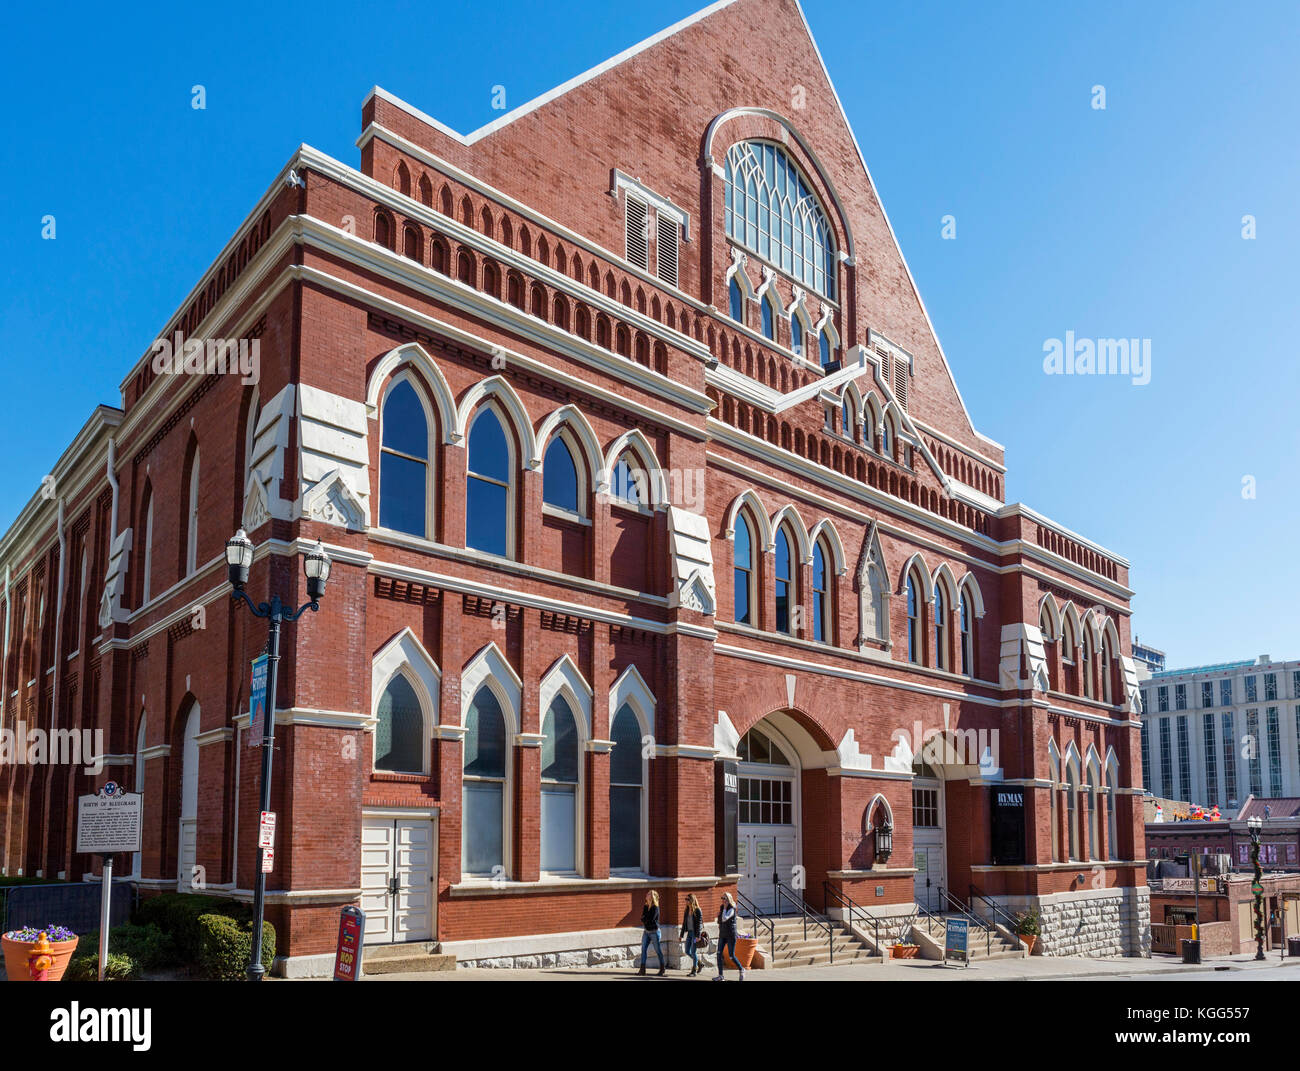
x=1029, y=940
x=16, y=958
x=744, y=952
x=904, y=951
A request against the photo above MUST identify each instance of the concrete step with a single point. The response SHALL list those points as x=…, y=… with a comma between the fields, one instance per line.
x=822, y=959
x=413, y=957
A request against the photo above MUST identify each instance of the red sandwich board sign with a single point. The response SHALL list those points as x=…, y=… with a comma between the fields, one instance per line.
x=352, y=934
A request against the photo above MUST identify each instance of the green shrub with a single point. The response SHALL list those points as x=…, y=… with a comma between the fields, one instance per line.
x=144, y=943
x=84, y=966
x=226, y=945
x=177, y=915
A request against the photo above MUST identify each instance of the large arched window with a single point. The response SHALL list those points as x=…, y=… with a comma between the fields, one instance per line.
x=561, y=487
x=771, y=209
x=483, y=797
x=967, y=637
x=769, y=318
x=743, y=576
x=736, y=301
x=559, y=789
x=784, y=580
x=821, y=595
x=405, y=484
x=399, y=729
x=488, y=510
x=796, y=334
x=626, y=780
x=629, y=482
x=940, y=628
x=913, y=620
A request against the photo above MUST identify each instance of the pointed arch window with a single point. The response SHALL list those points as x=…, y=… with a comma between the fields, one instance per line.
x=561, y=486
x=626, y=791
x=405, y=474
x=489, y=490
x=784, y=573
x=629, y=482
x=1086, y=668
x=192, y=526
x=940, y=627
x=1072, y=809
x=399, y=729
x=483, y=797
x=967, y=625
x=771, y=209
x=743, y=575
x=1107, y=669
x=868, y=428
x=559, y=789
x=1092, y=813
x=796, y=334
x=847, y=423
x=1112, y=784
x=825, y=353
x=913, y=621
x=1053, y=808
x=735, y=301
x=147, y=589
x=821, y=595
x=887, y=438
x=769, y=318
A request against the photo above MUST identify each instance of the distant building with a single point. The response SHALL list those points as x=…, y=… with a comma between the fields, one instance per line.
x=1149, y=660
x=1213, y=735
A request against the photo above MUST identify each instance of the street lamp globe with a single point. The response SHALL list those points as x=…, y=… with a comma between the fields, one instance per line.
x=239, y=556
x=317, y=567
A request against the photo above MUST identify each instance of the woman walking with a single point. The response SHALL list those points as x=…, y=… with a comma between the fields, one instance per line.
x=692, y=927
x=650, y=926
x=727, y=936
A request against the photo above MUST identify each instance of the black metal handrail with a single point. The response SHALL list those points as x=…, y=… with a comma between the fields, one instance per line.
x=751, y=909
x=847, y=903
x=809, y=915
x=1000, y=914
x=958, y=908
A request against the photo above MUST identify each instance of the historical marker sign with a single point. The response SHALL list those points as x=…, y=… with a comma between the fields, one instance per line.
x=109, y=821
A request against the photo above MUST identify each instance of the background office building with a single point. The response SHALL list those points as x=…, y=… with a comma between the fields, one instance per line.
x=1214, y=735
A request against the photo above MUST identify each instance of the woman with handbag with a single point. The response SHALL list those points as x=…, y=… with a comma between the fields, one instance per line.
x=727, y=937
x=650, y=934
x=693, y=932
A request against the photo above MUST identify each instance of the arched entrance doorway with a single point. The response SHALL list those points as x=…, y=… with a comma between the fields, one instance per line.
x=187, y=853
x=929, y=847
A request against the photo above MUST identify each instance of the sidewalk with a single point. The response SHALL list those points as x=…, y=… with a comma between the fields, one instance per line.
x=1033, y=969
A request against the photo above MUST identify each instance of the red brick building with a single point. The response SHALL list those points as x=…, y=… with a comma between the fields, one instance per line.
x=664, y=548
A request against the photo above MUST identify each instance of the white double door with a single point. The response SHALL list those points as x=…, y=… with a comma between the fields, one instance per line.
x=764, y=851
x=397, y=879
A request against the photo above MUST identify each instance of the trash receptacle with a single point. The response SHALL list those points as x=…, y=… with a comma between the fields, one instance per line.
x=1293, y=946
x=1191, y=951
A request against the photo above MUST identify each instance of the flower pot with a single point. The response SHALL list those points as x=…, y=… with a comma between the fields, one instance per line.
x=16, y=958
x=904, y=951
x=1029, y=940
x=745, y=947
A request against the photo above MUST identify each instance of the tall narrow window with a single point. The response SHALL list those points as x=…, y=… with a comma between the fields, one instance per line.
x=940, y=628
x=967, y=638
x=736, y=301
x=796, y=334
x=147, y=591
x=1092, y=814
x=824, y=349
x=404, y=482
x=483, y=798
x=769, y=319
x=192, y=531
x=487, y=509
x=137, y=857
x=559, y=789
x=743, y=576
x=784, y=580
x=868, y=429
x=886, y=438
x=913, y=621
x=560, y=477
x=1071, y=809
x=626, y=775
x=1087, y=664
x=821, y=596
x=399, y=729
x=847, y=423
x=1054, y=808
x=1112, y=825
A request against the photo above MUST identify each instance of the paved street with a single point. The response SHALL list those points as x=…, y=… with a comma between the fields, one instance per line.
x=1036, y=968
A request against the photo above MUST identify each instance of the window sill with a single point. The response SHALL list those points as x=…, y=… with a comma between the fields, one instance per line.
x=558, y=514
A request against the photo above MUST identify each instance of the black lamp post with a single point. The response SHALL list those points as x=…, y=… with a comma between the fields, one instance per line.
x=1254, y=823
x=316, y=564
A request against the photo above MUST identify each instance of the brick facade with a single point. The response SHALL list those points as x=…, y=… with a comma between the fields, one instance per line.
x=491, y=270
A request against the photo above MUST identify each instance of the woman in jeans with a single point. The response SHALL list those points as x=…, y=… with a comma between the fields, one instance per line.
x=650, y=926
x=727, y=936
x=692, y=925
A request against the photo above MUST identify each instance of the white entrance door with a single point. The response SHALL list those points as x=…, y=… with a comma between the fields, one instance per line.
x=765, y=851
x=397, y=879
x=928, y=853
x=189, y=819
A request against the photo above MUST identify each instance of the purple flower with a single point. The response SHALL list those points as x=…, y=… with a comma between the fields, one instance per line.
x=31, y=934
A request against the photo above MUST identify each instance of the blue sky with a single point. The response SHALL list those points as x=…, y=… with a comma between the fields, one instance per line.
x=1123, y=222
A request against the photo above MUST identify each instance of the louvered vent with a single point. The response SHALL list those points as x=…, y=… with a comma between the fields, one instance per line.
x=884, y=364
x=900, y=383
x=638, y=233
x=666, y=249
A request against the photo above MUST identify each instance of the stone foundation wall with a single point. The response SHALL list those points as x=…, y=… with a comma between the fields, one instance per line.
x=1107, y=922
